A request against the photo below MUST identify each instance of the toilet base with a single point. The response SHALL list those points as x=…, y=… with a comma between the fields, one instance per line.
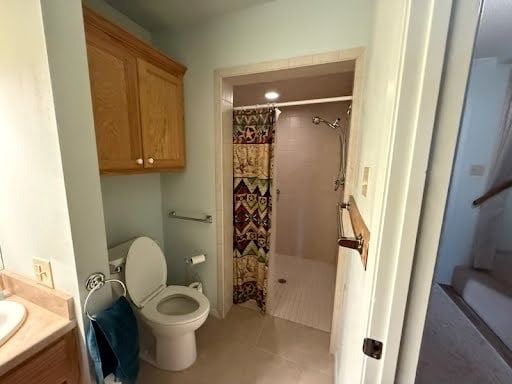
x=175, y=353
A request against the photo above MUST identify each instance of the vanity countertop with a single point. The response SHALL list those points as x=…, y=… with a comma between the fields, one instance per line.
x=42, y=326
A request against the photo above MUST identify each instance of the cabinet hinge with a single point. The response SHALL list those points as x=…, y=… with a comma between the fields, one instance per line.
x=372, y=348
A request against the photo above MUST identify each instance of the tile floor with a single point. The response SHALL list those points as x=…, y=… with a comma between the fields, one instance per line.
x=251, y=348
x=308, y=296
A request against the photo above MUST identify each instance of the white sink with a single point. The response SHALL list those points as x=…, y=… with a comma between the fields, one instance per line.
x=12, y=315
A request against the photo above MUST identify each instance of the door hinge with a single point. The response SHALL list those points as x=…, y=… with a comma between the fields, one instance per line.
x=372, y=348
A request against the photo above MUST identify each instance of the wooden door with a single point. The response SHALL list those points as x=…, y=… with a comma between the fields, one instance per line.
x=161, y=108
x=113, y=77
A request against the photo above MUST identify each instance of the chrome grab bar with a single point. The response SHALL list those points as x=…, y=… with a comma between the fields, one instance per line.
x=345, y=241
x=207, y=219
x=352, y=242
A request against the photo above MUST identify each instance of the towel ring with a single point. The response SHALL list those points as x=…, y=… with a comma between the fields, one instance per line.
x=94, y=283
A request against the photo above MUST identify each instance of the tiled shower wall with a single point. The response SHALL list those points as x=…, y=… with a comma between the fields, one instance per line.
x=306, y=161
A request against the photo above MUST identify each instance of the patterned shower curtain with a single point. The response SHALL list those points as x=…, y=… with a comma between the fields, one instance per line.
x=253, y=152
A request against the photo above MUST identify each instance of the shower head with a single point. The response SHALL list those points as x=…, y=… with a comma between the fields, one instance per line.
x=317, y=120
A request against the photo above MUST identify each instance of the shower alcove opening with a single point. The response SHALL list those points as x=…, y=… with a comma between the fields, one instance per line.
x=303, y=243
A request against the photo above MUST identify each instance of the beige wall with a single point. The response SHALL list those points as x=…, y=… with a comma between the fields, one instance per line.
x=132, y=204
x=306, y=161
x=106, y=10
x=239, y=38
x=70, y=87
x=33, y=197
x=50, y=200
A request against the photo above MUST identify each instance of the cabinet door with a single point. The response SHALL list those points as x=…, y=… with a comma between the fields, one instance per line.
x=161, y=109
x=113, y=77
x=57, y=364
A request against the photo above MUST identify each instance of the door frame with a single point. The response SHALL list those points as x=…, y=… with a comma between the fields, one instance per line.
x=464, y=24
x=405, y=71
x=223, y=105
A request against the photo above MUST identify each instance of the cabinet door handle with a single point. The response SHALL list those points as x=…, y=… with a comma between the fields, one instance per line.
x=139, y=161
x=151, y=160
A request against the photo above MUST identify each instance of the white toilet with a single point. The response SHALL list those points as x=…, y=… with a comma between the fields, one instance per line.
x=172, y=313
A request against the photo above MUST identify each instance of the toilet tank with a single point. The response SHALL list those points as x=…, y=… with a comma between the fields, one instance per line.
x=116, y=261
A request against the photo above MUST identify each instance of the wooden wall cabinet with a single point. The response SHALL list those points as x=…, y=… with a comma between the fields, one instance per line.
x=56, y=364
x=137, y=97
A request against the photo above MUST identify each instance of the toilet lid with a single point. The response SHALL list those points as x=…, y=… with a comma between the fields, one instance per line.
x=145, y=269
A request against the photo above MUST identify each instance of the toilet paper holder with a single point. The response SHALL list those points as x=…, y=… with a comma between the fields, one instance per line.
x=197, y=259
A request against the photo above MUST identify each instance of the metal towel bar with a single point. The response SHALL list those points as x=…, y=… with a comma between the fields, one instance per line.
x=344, y=241
x=207, y=219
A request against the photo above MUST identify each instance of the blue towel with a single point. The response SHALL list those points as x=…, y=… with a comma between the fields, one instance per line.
x=113, y=343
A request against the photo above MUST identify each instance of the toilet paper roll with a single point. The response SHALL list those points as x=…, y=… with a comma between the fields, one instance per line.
x=198, y=259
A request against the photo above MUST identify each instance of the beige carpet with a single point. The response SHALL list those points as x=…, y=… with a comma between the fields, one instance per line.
x=453, y=351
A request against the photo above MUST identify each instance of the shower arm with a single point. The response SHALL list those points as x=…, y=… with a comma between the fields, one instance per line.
x=340, y=177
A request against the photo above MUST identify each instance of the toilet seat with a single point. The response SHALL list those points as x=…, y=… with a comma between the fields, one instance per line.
x=151, y=313
x=146, y=279
x=145, y=271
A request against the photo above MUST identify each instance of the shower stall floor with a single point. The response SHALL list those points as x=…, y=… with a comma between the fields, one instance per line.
x=307, y=297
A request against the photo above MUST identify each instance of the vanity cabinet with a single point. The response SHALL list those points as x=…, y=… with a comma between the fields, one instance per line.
x=137, y=97
x=56, y=364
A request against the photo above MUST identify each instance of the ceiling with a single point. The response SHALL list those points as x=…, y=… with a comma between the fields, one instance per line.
x=305, y=88
x=176, y=14
x=494, y=37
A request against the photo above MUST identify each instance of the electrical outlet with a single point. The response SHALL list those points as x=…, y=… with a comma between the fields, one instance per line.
x=43, y=271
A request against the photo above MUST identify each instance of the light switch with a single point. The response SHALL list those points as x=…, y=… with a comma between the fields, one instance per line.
x=477, y=170
x=43, y=271
x=366, y=178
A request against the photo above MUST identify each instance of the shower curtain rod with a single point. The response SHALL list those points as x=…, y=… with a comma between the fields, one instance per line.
x=299, y=102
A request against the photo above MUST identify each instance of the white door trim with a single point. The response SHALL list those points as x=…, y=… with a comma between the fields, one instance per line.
x=410, y=104
x=453, y=88
x=223, y=100
x=426, y=37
